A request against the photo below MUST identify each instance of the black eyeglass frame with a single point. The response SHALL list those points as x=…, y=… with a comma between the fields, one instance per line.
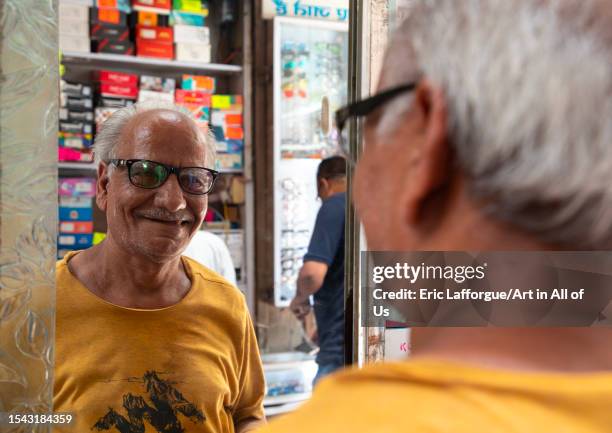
x=169, y=169
x=366, y=106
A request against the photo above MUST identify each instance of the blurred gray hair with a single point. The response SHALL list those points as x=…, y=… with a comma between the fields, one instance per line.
x=529, y=90
x=109, y=134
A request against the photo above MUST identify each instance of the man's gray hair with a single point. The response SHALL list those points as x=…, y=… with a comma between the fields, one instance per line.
x=529, y=90
x=109, y=135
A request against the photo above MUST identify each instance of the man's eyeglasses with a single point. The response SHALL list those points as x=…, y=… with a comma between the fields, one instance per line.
x=150, y=174
x=363, y=108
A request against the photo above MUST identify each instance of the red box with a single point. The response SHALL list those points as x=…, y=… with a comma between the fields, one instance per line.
x=199, y=97
x=156, y=34
x=163, y=6
x=146, y=48
x=76, y=227
x=118, y=91
x=120, y=78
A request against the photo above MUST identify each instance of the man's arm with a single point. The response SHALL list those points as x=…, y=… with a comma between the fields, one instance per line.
x=310, y=280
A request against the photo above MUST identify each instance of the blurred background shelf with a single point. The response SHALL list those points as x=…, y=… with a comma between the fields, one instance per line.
x=116, y=61
x=76, y=166
x=92, y=167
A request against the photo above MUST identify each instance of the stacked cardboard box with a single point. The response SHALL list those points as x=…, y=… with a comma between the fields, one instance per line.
x=74, y=26
x=75, y=214
x=195, y=95
x=156, y=89
x=191, y=36
x=115, y=90
x=226, y=125
x=154, y=38
x=75, y=136
x=109, y=30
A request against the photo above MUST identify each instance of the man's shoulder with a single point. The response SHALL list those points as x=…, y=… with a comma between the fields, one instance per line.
x=214, y=282
x=62, y=273
x=335, y=201
x=438, y=396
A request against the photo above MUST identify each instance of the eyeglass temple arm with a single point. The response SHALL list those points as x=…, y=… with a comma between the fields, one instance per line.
x=364, y=107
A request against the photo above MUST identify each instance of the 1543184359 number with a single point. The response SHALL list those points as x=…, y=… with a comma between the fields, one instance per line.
x=10, y=418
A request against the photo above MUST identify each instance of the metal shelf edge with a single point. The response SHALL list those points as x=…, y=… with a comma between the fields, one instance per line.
x=99, y=58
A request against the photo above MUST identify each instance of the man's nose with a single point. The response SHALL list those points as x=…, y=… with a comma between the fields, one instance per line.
x=170, y=195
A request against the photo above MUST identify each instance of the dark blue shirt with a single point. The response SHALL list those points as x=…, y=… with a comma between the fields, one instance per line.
x=327, y=246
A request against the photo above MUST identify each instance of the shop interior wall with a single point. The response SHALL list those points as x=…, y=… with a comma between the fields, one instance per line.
x=278, y=330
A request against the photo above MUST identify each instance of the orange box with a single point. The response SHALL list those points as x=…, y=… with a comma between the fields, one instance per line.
x=150, y=19
x=233, y=119
x=107, y=3
x=111, y=16
x=234, y=133
x=198, y=82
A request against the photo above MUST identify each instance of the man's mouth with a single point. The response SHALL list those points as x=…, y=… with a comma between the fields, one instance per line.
x=169, y=222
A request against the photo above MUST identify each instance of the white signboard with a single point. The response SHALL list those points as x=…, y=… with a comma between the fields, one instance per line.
x=327, y=10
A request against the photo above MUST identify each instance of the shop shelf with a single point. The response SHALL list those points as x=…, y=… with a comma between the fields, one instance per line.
x=85, y=166
x=101, y=60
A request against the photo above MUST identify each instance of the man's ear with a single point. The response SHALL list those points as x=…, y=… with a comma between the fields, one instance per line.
x=431, y=169
x=102, y=186
x=323, y=185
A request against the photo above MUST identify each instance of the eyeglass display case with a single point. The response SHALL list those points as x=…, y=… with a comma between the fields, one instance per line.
x=310, y=75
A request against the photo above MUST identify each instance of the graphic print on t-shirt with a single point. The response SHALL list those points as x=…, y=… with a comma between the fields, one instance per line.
x=161, y=411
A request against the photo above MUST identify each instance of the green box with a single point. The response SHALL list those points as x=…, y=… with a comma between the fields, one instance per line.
x=186, y=18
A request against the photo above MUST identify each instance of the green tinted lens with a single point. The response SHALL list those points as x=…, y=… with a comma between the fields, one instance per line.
x=147, y=174
x=196, y=180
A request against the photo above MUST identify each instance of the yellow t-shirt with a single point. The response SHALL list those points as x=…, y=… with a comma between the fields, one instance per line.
x=191, y=367
x=440, y=397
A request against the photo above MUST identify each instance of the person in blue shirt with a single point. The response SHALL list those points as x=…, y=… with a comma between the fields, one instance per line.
x=322, y=274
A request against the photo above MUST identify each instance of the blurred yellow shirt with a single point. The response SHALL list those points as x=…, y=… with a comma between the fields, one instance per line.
x=191, y=367
x=429, y=396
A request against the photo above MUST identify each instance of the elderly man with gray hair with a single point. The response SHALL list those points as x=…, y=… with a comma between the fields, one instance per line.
x=491, y=131
x=147, y=339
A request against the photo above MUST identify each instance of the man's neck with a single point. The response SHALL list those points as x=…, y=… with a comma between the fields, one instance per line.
x=526, y=349
x=518, y=349
x=128, y=280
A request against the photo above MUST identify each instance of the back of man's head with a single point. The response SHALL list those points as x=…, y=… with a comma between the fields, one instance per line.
x=332, y=168
x=528, y=88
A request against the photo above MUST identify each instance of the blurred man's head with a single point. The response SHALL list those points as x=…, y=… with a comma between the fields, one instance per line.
x=508, y=133
x=331, y=177
x=158, y=220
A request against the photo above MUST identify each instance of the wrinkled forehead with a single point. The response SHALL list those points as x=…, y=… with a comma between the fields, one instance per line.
x=166, y=133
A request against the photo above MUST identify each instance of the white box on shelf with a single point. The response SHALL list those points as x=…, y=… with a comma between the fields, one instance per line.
x=150, y=95
x=74, y=28
x=73, y=11
x=191, y=34
x=74, y=43
x=199, y=53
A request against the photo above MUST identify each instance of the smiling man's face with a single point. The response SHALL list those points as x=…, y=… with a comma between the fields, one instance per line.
x=155, y=223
